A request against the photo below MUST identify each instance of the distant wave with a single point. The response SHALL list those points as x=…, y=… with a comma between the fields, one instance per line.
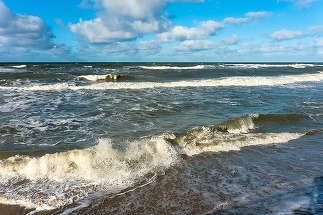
x=10, y=69
x=93, y=77
x=224, y=82
x=262, y=65
x=106, y=77
x=19, y=66
x=177, y=67
x=228, y=65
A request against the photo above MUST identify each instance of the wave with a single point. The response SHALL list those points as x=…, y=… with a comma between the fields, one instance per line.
x=262, y=65
x=106, y=77
x=231, y=135
x=6, y=70
x=229, y=65
x=55, y=180
x=224, y=82
x=19, y=66
x=177, y=67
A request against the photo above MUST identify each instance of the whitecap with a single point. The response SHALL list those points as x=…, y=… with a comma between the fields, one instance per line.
x=19, y=66
x=223, y=82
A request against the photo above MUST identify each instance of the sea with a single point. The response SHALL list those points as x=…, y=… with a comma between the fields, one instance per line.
x=161, y=138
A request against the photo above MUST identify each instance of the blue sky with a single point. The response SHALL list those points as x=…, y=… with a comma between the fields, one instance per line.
x=162, y=30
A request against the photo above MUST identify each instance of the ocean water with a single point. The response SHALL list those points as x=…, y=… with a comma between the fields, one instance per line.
x=161, y=138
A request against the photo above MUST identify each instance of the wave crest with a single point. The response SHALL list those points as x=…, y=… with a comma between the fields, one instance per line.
x=55, y=180
x=231, y=135
x=65, y=177
x=224, y=82
x=160, y=67
x=105, y=77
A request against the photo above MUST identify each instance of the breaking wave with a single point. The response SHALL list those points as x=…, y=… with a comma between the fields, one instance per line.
x=257, y=66
x=230, y=65
x=54, y=180
x=177, y=67
x=105, y=77
x=231, y=135
x=19, y=66
x=223, y=82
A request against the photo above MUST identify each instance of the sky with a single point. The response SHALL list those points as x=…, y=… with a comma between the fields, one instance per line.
x=161, y=30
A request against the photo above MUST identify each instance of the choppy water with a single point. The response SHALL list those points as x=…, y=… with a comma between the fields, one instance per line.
x=181, y=138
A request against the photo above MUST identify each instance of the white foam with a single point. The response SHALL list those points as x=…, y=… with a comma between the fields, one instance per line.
x=93, y=77
x=65, y=177
x=25, y=203
x=233, y=142
x=19, y=66
x=13, y=102
x=6, y=69
x=257, y=66
x=177, y=67
x=99, y=77
x=224, y=82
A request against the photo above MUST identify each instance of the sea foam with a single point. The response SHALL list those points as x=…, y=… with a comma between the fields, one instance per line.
x=65, y=177
x=229, y=136
x=223, y=82
x=55, y=180
x=177, y=67
x=20, y=66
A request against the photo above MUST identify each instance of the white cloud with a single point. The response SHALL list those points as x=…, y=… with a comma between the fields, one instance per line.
x=268, y=48
x=236, y=21
x=136, y=9
x=190, y=1
x=301, y=3
x=319, y=43
x=122, y=20
x=120, y=50
x=285, y=35
x=148, y=45
x=315, y=29
x=257, y=15
x=280, y=51
x=95, y=31
x=231, y=41
x=18, y=30
x=253, y=16
x=180, y=33
x=195, y=45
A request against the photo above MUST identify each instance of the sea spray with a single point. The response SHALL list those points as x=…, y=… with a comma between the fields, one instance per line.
x=237, y=81
x=63, y=178
x=231, y=135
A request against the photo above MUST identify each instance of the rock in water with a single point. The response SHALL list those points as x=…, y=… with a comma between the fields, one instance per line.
x=112, y=77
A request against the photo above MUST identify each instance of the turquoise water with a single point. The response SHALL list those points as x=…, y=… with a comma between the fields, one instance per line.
x=76, y=133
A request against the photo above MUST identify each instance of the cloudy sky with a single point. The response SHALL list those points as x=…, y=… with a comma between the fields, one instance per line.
x=161, y=30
